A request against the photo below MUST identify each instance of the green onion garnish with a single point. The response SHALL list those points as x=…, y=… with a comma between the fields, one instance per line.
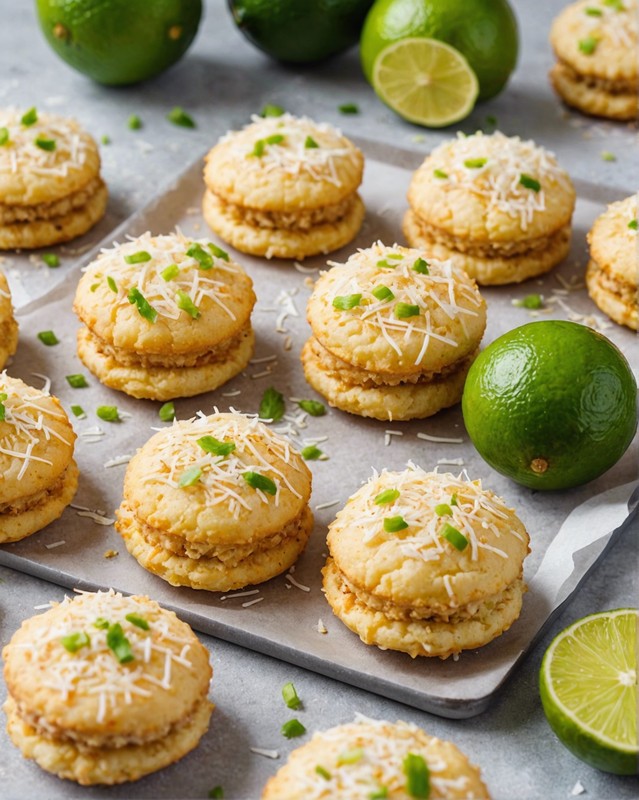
x=204, y=259
x=588, y=45
x=383, y=293
x=529, y=182
x=443, y=510
x=105, y=139
x=4, y=136
x=78, y=411
x=112, y=284
x=606, y=155
x=170, y=272
x=421, y=267
x=475, y=163
x=348, y=108
x=379, y=794
x=593, y=12
x=347, y=301
x=312, y=407
x=178, y=116
x=310, y=143
x=142, y=304
x=138, y=621
x=101, y=623
x=272, y=405
x=386, y=497
x=218, y=252
x=119, y=644
x=417, y=776
x=272, y=110
x=185, y=303
x=311, y=453
x=30, y=117
x=43, y=143
x=633, y=224
x=167, y=412
x=320, y=770
x=290, y=696
x=350, y=756
x=293, y=728
x=405, y=310
x=214, y=446
x=190, y=477
x=216, y=793
x=257, y=481
x=49, y=338
x=455, y=537
x=77, y=381
x=530, y=301
x=439, y=173
x=394, y=524
x=74, y=641
x=51, y=260
x=134, y=123
x=138, y=258
x=3, y=410
x=108, y=413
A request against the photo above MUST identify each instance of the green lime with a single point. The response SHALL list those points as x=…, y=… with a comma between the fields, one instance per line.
x=425, y=81
x=588, y=686
x=551, y=404
x=117, y=42
x=484, y=32
x=301, y=31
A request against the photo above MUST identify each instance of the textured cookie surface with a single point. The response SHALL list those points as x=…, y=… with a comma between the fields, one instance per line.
x=8, y=325
x=593, y=96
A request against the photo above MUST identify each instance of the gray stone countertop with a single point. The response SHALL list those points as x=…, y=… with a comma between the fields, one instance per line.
x=221, y=81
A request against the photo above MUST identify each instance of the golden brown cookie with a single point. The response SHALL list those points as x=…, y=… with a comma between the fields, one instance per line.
x=164, y=317
x=424, y=563
x=284, y=187
x=105, y=688
x=216, y=503
x=498, y=207
x=8, y=325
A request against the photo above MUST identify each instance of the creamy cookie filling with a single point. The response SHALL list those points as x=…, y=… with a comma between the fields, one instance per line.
x=297, y=220
x=626, y=292
x=605, y=85
x=24, y=504
x=11, y=214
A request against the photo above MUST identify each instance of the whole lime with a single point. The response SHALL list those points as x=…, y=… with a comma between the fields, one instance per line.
x=484, y=31
x=551, y=404
x=118, y=42
x=300, y=31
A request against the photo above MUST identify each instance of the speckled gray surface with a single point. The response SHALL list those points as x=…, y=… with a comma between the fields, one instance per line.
x=221, y=81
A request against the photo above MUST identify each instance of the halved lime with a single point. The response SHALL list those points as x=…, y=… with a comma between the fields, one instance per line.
x=425, y=81
x=588, y=685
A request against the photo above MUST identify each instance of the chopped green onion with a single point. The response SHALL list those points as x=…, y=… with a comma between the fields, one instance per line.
x=167, y=412
x=379, y=794
x=386, y=497
x=383, y=293
x=310, y=143
x=142, y=304
x=453, y=500
x=593, y=12
x=138, y=258
x=49, y=338
x=455, y=537
x=293, y=728
x=78, y=411
x=633, y=224
x=170, y=272
x=311, y=453
x=290, y=696
x=348, y=108
x=439, y=173
x=3, y=410
x=272, y=110
x=384, y=264
x=43, y=143
x=101, y=623
x=350, y=756
x=105, y=139
x=119, y=644
x=257, y=481
x=77, y=381
x=420, y=266
x=134, y=123
x=475, y=163
x=312, y=407
x=529, y=182
x=347, y=301
x=216, y=793
x=30, y=117
x=530, y=301
x=588, y=45
x=218, y=252
x=4, y=136
x=320, y=770
x=51, y=260
x=204, y=259
x=178, y=116
x=394, y=524
x=138, y=621
x=405, y=310
x=190, y=477
x=417, y=776
x=112, y=284
x=185, y=303
x=606, y=155
x=214, y=446
x=75, y=641
x=443, y=510
x=272, y=405
x=108, y=413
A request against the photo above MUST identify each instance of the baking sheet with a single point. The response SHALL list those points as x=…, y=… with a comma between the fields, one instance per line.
x=569, y=530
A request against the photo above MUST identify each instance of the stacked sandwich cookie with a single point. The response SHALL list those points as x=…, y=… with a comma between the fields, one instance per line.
x=394, y=333
x=104, y=689
x=424, y=563
x=498, y=207
x=50, y=185
x=216, y=503
x=165, y=316
x=38, y=476
x=8, y=325
x=284, y=187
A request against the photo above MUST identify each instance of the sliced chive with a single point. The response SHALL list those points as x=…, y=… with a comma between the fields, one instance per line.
x=293, y=728
x=216, y=793
x=51, y=260
x=30, y=117
x=588, y=45
x=310, y=143
x=43, y=143
x=138, y=258
x=348, y=108
x=455, y=537
x=108, y=413
x=394, y=524
x=4, y=136
x=134, y=122
x=167, y=412
x=272, y=405
x=606, y=155
x=75, y=641
x=323, y=772
x=443, y=510
x=475, y=163
x=170, y=272
x=439, y=173
x=257, y=481
x=204, y=259
x=178, y=116
x=272, y=110
x=347, y=301
x=214, y=446
x=101, y=623
x=105, y=139
x=112, y=284
x=386, y=497
x=405, y=310
x=119, y=644
x=350, y=756
x=138, y=621
x=290, y=696
x=185, y=303
x=417, y=776
x=530, y=301
x=383, y=293
x=78, y=411
x=145, y=309
x=591, y=11
x=190, y=477
x=633, y=224
x=49, y=338
x=311, y=453
x=421, y=266
x=77, y=381
x=312, y=407
x=529, y=182
x=218, y=252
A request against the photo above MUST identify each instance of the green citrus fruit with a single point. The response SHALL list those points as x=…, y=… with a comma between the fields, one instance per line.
x=484, y=32
x=588, y=687
x=425, y=81
x=551, y=404
x=300, y=31
x=118, y=42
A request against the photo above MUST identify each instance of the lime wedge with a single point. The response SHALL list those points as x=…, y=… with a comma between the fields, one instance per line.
x=588, y=685
x=425, y=81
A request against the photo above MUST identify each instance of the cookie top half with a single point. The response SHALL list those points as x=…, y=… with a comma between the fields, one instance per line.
x=106, y=670
x=394, y=310
x=598, y=38
x=222, y=479
x=426, y=540
x=374, y=758
x=492, y=188
x=613, y=240
x=36, y=439
x=164, y=294
x=284, y=163
x=43, y=157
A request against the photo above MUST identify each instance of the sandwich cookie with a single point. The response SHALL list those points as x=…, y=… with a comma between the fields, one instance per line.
x=394, y=333
x=499, y=207
x=217, y=503
x=50, y=185
x=165, y=316
x=284, y=187
x=8, y=325
x=104, y=689
x=38, y=476
x=424, y=563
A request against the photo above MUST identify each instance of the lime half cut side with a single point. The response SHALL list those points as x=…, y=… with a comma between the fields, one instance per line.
x=425, y=81
x=588, y=686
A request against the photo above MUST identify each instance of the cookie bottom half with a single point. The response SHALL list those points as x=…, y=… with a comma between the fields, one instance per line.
x=616, y=299
x=599, y=99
